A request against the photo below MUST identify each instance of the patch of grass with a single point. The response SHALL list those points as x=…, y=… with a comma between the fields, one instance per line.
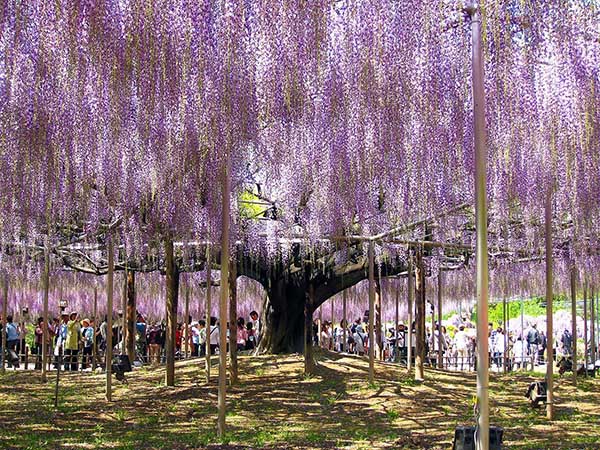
x=121, y=415
x=314, y=437
x=392, y=415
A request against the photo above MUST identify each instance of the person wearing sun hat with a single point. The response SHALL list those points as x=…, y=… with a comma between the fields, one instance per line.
x=87, y=336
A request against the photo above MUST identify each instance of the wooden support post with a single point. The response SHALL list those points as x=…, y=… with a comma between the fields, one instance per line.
x=440, y=335
x=208, y=310
x=345, y=320
x=593, y=328
x=131, y=314
x=46, y=336
x=419, y=316
x=410, y=294
x=4, y=321
x=186, y=320
x=225, y=209
x=233, y=323
x=320, y=326
x=378, y=318
x=397, y=323
x=124, y=313
x=505, y=334
x=371, y=252
x=332, y=324
x=172, y=286
x=95, y=319
x=109, y=316
x=585, y=328
x=308, y=330
x=574, y=322
x=549, y=316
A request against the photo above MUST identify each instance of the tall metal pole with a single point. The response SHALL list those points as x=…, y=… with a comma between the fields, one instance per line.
x=186, y=320
x=524, y=366
x=574, y=322
x=172, y=300
x=208, y=309
x=397, y=322
x=95, y=318
x=593, y=328
x=371, y=312
x=505, y=334
x=411, y=292
x=233, y=361
x=483, y=422
x=46, y=330
x=224, y=297
x=109, y=313
x=124, y=314
x=4, y=321
x=440, y=335
x=585, y=328
x=420, y=316
x=345, y=320
x=549, y=317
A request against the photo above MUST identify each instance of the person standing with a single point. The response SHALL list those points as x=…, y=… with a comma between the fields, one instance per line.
x=195, y=334
x=255, y=326
x=201, y=338
x=214, y=335
x=71, y=346
x=533, y=340
x=87, y=334
x=12, y=334
x=242, y=334
x=461, y=343
x=38, y=342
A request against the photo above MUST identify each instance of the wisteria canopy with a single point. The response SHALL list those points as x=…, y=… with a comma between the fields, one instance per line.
x=344, y=117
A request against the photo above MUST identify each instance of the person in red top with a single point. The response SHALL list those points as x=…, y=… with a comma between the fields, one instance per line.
x=178, y=337
x=242, y=334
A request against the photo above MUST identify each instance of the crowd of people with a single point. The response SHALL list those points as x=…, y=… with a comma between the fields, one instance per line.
x=71, y=340
x=458, y=347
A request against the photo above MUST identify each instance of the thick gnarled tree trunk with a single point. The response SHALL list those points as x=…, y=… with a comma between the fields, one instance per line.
x=282, y=322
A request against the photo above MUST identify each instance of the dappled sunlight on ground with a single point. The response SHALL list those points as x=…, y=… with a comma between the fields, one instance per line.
x=275, y=406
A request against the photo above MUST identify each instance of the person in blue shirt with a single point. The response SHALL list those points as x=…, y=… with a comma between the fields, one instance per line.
x=12, y=334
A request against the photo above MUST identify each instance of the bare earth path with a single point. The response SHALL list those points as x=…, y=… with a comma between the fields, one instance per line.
x=276, y=407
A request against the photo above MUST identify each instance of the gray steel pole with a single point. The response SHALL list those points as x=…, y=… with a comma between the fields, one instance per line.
x=344, y=313
x=4, y=322
x=109, y=322
x=411, y=293
x=46, y=330
x=208, y=313
x=222, y=391
x=483, y=422
x=549, y=317
x=371, y=312
x=574, y=323
x=585, y=329
x=440, y=336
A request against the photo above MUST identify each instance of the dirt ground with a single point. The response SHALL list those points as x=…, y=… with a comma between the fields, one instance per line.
x=274, y=406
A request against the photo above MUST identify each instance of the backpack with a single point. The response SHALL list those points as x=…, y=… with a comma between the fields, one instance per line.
x=533, y=337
